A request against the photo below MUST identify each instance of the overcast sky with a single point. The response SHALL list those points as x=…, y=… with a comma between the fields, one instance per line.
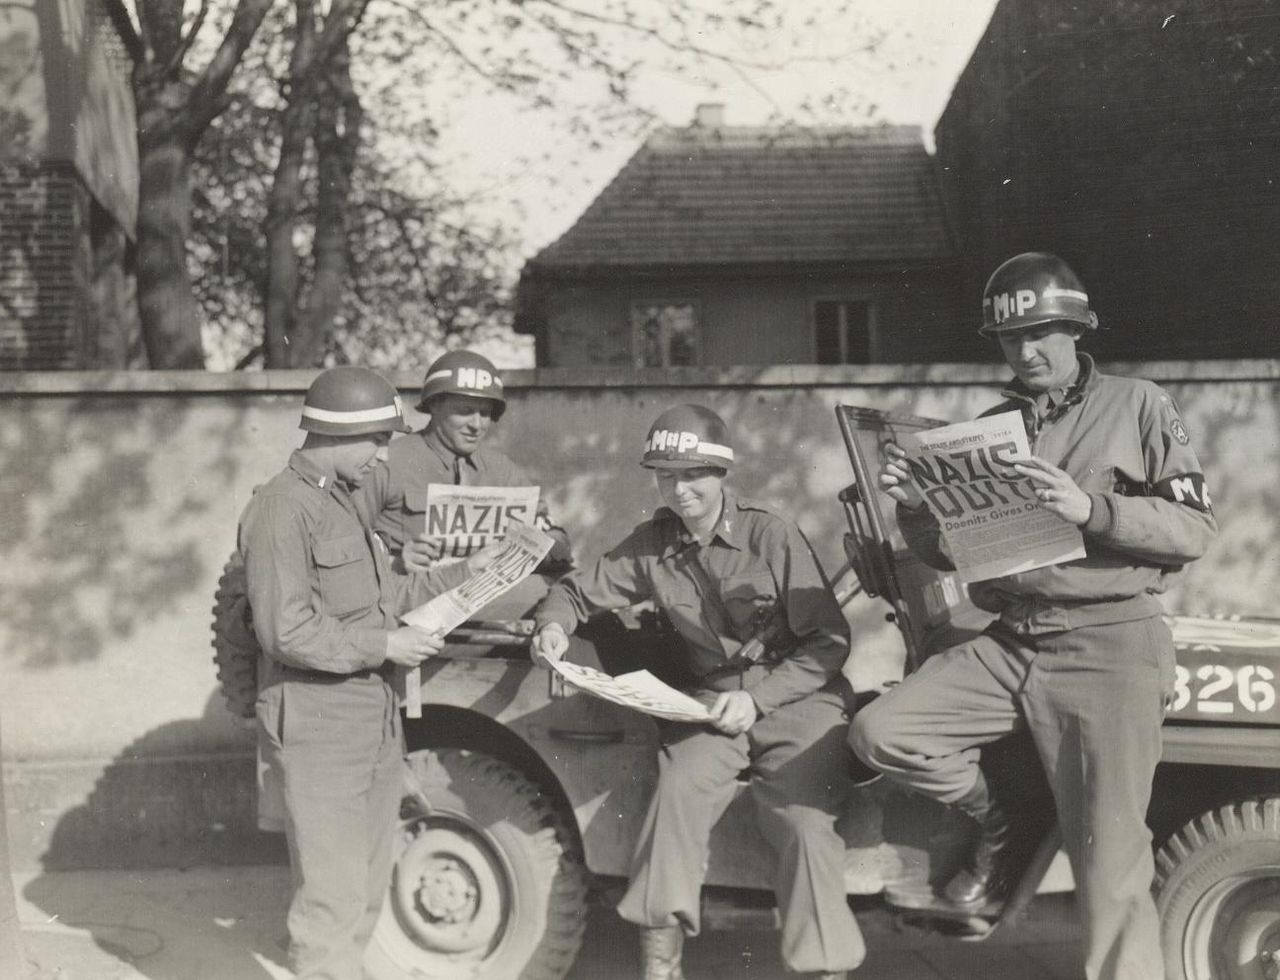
x=539, y=181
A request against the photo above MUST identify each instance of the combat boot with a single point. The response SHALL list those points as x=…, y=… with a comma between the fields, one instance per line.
x=661, y=947
x=974, y=884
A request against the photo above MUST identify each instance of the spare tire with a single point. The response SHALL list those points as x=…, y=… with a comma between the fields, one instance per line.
x=235, y=645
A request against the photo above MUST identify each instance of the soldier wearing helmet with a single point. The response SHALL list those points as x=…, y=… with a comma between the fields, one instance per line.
x=324, y=606
x=464, y=395
x=1078, y=654
x=720, y=567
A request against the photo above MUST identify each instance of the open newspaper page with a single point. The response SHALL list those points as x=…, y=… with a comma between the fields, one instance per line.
x=460, y=520
x=990, y=517
x=523, y=547
x=639, y=690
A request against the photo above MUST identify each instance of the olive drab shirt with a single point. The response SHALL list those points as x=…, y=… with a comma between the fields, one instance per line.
x=319, y=582
x=756, y=561
x=394, y=497
x=1124, y=443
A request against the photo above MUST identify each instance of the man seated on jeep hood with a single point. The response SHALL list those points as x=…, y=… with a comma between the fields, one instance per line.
x=722, y=567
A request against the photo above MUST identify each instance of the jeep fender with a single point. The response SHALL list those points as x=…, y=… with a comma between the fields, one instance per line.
x=598, y=759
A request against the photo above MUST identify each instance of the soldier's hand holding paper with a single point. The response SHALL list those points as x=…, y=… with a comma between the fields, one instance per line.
x=895, y=477
x=1056, y=491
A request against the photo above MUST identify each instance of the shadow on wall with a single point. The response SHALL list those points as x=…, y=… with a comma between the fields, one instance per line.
x=151, y=808
x=100, y=518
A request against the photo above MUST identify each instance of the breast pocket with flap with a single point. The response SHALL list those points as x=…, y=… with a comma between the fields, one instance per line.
x=348, y=581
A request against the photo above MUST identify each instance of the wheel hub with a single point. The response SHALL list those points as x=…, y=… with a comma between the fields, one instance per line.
x=1269, y=969
x=1235, y=931
x=448, y=891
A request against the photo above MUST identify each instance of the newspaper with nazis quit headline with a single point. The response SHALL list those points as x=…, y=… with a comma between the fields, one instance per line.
x=523, y=547
x=991, y=520
x=458, y=520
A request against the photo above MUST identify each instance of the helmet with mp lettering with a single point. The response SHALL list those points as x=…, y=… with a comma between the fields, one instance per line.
x=463, y=372
x=1032, y=289
x=685, y=437
x=352, y=401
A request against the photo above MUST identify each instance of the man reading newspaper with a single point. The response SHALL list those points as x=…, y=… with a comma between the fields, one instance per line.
x=1079, y=653
x=721, y=566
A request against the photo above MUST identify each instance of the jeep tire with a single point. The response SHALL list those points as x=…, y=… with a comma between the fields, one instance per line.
x=489, y=885
x=1218, y=894
x=235, y=645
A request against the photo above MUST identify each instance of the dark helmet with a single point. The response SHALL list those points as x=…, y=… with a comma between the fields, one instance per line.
x=352, y=401
x=463, y=372
x=685, y=437
x=1031, y=289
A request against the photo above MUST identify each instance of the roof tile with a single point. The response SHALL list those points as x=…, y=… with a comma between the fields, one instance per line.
x=698, y=196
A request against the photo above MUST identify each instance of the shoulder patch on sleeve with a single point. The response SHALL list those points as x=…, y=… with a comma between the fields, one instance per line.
x=1172, y=422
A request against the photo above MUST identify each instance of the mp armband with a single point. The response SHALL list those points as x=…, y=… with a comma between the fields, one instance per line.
x=1185, y=488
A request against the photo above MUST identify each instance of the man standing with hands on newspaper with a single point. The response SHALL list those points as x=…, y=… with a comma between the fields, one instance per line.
x=324, y=604
x=722, y=567
x=1079, y=653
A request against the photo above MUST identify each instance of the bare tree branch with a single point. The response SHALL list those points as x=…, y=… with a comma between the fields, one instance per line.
x=207, y=92
x=184, y=45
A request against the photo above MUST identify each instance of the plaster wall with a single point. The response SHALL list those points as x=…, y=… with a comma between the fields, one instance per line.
x=119, y=496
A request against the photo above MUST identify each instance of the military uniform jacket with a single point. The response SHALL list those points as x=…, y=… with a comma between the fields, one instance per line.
x=319, y=582
x=394, y=497
x=757, y=562
x=1125, y=445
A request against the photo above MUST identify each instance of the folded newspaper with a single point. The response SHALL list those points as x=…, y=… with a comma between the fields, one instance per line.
x=990, y=517
x=523, y=547
x=639, y=690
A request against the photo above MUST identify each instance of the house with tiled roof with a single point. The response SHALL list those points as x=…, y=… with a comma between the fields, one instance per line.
x=719, y=245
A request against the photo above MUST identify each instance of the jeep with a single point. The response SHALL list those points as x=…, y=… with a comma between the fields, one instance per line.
x=524, y=798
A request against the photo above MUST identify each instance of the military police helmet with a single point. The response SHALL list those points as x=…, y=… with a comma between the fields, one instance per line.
x=1031, y=289
x=352, y=401
x=463, y=372
x=685, y=437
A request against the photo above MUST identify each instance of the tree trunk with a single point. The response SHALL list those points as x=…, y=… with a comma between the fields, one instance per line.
x=337, y=141
x=280, y=291
x=13, y=956
x=167, y=307
x=173, y=113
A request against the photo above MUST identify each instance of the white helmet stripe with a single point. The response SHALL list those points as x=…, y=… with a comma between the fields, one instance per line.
x=446, y=373
x=715, y=449
x=1053, y=292
x=355, y=417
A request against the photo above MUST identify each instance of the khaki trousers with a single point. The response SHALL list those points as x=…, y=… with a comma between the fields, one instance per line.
x=340, y=752
x=1093, y=700
x=799, y=777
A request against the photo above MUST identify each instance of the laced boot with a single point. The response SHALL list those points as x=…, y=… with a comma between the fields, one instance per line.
x=975, y=883
x=661, y=947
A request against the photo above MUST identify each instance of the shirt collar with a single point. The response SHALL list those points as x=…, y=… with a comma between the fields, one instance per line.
x=1084, y=380
x=310, y=474
x=727, y=530
x=447, y=456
